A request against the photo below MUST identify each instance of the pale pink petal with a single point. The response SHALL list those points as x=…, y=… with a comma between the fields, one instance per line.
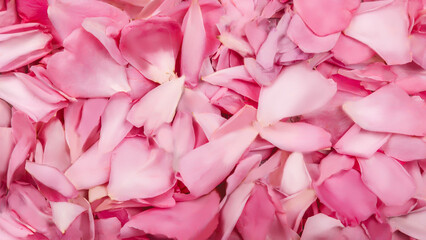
x=158, y=106
x=296, y=137
x=114, y=126
x=64, y=213
x=297, y=90
x=92, y=168
x=296, y=205
x=411, y=224
x=219, y=158
x=55, y=149
x=199, y=216
x=387, y=179
x=332, y=164
x=23, y=43
x=138, y=171
x=346, y=194
x=86, y=69
x=350, y=51
x=66, y=16
x=327, y=16
x=389, y=109
x=321, y=226
x=306, y=40
x=405, y=148
x=256, y=33
x=52, y=178
x=193, y=44
x=295, y=176
x=153, y=56
x=360, y=143
x=384, y=29
x=30, y=95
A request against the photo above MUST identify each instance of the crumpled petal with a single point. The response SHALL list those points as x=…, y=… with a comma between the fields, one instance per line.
x=296, y=137
x=388, y=109
x=158, y=106
x=138, y=171
x=297, y=90
x=153, y=56
x=385, y=177
x=199, y=216
x=384, y=29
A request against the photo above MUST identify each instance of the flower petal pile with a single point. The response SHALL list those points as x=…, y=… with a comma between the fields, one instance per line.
x=212, y=119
